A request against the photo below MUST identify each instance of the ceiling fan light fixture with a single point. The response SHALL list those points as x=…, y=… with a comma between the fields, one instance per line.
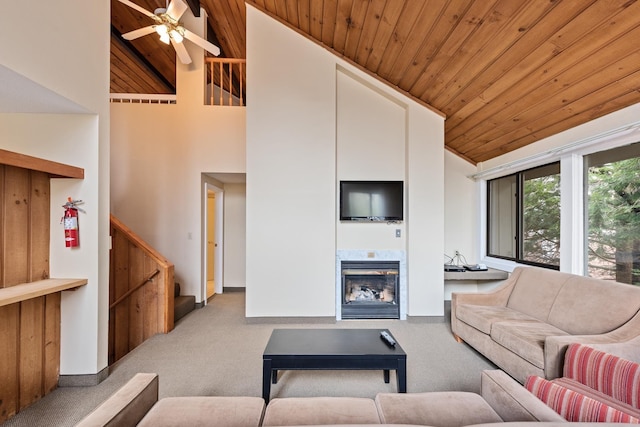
x=176, y=36
x=161, y=29
x=164, y=38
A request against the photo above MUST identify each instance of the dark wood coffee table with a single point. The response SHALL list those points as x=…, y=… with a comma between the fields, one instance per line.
x=358, y=349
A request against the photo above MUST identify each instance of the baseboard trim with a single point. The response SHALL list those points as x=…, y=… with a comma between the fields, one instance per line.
x=425, y=319
x=83, y=380
x=288, y=320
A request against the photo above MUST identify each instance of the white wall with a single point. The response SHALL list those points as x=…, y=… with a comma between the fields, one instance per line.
x=290, y=173
x=371, y=145
x=235, y=218
x=159, y=153
x=461, y=205
x=302, y=132
x=54, y=57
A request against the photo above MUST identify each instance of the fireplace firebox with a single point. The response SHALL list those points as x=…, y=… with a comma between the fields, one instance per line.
x=370, y=289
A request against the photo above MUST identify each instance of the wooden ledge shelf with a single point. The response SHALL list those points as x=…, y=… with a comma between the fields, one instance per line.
x=25, y=291
x=54, y=169
x=490, y=274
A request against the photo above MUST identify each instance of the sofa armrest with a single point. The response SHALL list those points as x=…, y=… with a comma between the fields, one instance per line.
x=127, y=405
x=611, y=342
x=496, y=297
x=512, y=401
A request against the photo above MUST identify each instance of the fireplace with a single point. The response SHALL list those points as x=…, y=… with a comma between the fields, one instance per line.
x=370, y=289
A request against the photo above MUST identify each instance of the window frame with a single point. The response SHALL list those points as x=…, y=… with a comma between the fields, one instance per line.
x=570, y=150
x=519, y=223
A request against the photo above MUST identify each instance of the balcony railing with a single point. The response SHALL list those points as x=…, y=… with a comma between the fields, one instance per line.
x=226, y=80
x=136, y=98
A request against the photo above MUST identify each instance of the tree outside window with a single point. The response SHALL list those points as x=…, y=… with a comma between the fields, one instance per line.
x=612, y=180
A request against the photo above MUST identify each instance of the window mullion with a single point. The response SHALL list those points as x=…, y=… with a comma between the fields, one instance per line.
x=572, y=213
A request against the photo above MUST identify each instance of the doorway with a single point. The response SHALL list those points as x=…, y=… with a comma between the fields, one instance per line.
x=212, y=237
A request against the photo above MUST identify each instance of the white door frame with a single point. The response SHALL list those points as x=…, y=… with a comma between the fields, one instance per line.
x=218, y=255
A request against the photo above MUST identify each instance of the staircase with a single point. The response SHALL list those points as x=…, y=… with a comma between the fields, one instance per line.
x=183, y=304
x=141, y=292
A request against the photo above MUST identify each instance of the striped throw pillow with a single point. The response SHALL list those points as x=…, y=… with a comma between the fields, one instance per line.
x=574, y=406
x=604, y=372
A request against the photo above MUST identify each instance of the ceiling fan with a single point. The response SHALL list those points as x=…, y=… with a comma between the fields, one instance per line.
x=169, y=28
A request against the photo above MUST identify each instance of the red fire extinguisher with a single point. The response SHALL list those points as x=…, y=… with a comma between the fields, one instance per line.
x=70, y=219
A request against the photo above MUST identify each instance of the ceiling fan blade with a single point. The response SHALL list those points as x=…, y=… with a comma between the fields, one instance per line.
x=140, y=32
x=138, y=8
x=183, y=55
x=209, y=47
x=176, y=9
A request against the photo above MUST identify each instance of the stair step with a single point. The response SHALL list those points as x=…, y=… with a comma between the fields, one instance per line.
x=183, y=305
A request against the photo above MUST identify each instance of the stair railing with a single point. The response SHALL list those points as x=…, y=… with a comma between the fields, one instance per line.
x=141, y=291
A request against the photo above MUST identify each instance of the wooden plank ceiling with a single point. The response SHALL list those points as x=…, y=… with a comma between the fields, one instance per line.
x=505, y=73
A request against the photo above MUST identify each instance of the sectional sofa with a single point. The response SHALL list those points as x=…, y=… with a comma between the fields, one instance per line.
x=502, y=400
x=525, y=324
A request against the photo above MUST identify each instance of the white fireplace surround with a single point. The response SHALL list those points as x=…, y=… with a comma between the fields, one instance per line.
x=372, y=255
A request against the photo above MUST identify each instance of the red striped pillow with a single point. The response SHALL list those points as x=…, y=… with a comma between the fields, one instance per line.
x=604, y=372
x=574, y=406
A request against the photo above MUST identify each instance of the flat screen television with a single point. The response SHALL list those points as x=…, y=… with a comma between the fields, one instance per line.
x=371, y=200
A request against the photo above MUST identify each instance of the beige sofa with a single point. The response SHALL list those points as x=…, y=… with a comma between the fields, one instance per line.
x=525, y=325
x=502, y=400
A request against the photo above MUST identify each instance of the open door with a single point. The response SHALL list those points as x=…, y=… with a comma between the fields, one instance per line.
x=212, y=235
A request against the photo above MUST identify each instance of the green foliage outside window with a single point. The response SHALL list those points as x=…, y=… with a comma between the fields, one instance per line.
x=614, y=221
x=541, y=220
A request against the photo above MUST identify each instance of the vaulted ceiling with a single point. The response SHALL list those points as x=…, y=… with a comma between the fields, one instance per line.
x=505, y=73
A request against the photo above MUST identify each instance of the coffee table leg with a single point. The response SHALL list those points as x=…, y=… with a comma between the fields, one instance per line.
x=266, y=379
x=386, y=376
x=274, y=376
x=401, y=373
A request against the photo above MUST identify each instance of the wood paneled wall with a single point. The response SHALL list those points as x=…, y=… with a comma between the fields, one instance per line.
x=29, y=330
x=141, y=292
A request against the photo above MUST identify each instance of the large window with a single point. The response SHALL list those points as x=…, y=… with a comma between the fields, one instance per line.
x=612, y=209
x=524, y=216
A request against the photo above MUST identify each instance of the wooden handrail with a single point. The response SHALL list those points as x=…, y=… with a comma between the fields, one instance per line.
x=136, y=240
x=165, y=267
x=135, y=288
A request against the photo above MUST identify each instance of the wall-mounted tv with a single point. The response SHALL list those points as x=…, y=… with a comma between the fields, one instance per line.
x=371, y=200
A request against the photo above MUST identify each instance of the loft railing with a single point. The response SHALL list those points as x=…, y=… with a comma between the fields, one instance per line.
x=226, y=80
x=136, y=98
x=141, y=292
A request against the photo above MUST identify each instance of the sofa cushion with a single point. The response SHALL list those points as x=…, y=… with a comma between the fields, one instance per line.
x=482, y=317
x=604, y=372
x=599, y=396
x=242, y=411
x=298, y=411
x=575, y=406
x=443, y=409
x=536, y=290
x=578, y=308
x=526, y=339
